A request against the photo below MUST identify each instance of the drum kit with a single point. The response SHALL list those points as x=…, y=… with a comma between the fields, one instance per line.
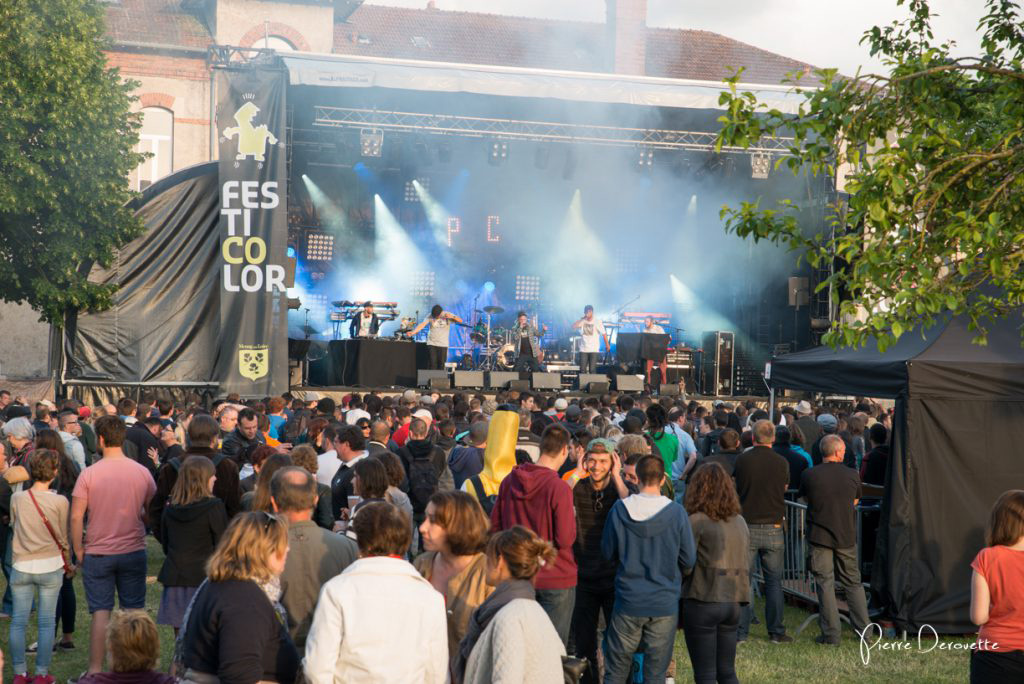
x=498, y=349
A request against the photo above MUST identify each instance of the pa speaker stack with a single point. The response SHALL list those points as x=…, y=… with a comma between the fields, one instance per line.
x=434, y=379
x=593, y=383
x=464, y=379
x=629, y=383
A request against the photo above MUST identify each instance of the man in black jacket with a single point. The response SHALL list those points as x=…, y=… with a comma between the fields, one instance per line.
x=365, y=323
x=876, y=463
x=245, y=435
x=141, y=442
x=425, y=468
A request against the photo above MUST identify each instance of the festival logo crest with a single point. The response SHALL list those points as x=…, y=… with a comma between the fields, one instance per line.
x=252, y=140
x=253, y=361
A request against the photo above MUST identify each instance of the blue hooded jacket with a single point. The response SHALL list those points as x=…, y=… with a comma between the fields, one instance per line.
x=650, y=539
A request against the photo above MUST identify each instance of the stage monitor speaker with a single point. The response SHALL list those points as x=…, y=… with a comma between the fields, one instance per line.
x=629, y=383
x=519, y=385
x=297, y=349
x=424, y=377
x=547, y=381
x=444, y=383
x=588, y=380
x=468, y=379
x=500, y=379
x=669, y=390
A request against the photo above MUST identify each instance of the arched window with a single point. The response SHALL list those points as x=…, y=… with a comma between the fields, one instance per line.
x=274, y=43
x=157, y=138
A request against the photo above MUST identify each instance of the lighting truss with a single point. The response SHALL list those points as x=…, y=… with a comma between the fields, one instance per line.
x=422, y=284
x=371, y=142
x=411, y=196
x=760, y=165
x=319, y=246
x=510, y=129
x=527, y=288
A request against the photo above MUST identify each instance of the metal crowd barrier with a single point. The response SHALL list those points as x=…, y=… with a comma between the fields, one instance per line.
x=796, y=575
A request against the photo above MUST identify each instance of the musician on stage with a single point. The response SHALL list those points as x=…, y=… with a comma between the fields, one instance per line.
x=527, y=341
x=440, y=322
x=591, y=333
x=365, y=323
x=652, y=328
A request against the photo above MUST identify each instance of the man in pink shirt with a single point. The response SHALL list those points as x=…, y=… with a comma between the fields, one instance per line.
x=113, y=494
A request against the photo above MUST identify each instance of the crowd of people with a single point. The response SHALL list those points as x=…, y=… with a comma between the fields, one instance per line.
x=515, y=538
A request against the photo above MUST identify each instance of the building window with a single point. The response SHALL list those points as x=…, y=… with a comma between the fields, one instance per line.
x=274, y=43
x=156, y=138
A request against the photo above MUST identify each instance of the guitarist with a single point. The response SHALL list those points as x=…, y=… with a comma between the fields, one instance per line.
x=440, y=322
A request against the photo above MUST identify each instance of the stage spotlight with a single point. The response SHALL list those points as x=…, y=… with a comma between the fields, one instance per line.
x=411, y=196
x=319, y=247
x=645, y=160
x=527, y=288
x=541, y=157
x=422, y=284
x=371, y=142
x=498, y=153
x=488, y=286
x=760, y=165
x=291, y=252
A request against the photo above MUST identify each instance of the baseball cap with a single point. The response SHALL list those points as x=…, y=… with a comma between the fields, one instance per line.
x=573, y=411
x=425, y=415
x=561, y=404
x=427, y=400
x=410, y=395
x=828, y=422
x=609, y=445
x=84, y=411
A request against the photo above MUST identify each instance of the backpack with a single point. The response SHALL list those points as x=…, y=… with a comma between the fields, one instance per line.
x=423, y=482
x=487, y=502
x=176, y=461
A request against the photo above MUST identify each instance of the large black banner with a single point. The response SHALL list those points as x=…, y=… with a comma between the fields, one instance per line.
x=253, y=356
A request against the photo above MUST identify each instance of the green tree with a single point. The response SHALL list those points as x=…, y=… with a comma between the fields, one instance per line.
x=935, y=220
x=67, y=142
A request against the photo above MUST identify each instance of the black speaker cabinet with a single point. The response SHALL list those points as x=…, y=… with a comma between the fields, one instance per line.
x=547, y=381
x=466, y=379
x=424, y=378
x=629, y=383
x=719, y=358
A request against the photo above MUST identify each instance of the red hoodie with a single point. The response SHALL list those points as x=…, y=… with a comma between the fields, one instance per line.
x=535, y=497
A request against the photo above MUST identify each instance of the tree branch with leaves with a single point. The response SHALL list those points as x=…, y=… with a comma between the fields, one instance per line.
x=935, y=216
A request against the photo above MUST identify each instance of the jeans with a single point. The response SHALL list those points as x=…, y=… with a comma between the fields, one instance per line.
x=527, y=363
x=124, y=571
x=436, y=356
x=624, y=636
x=23, y=590
x=767, y=544
x=710, y=630
x=8, y=542
x=588, y=362
x=558, y=603
x=844, y=564
x=591, y=601
x=67, y=605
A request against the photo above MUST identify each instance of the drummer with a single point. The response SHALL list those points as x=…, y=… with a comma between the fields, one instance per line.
x=437, y=337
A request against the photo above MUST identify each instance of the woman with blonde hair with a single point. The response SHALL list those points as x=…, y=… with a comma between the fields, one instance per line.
x=133, y=646
x=719, y=581
x=454, y=533
x=259, y=498
x=190, y=527
x=510, y=638
x=235, y=630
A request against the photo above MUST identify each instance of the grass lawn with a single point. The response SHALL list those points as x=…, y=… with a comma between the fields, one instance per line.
x=758, y=660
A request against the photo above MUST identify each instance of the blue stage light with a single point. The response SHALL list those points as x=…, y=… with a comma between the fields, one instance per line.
x=291, y=252
x=488, y=286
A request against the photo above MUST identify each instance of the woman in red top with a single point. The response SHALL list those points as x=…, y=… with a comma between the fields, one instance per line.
x=997, y=595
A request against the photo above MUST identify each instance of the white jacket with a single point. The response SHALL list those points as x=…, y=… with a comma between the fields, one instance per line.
x=519, y=646
x=378, y=621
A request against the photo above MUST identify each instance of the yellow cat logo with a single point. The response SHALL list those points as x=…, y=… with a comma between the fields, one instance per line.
x=252, y=140
x=253, y=361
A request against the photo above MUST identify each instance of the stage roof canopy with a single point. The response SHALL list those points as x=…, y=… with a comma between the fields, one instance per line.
x=346, y=71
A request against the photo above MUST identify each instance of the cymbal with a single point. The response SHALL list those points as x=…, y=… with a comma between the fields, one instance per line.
x=477, y=311
x=494, y=309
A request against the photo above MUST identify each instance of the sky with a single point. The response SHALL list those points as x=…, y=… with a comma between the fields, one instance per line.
x=824, y=33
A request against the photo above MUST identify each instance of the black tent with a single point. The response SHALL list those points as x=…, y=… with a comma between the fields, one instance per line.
x=162, y=329
x=959, y=422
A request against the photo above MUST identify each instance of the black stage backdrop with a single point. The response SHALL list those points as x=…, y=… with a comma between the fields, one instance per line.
x=957, y=430
x=253, y=354
x=162, y=327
